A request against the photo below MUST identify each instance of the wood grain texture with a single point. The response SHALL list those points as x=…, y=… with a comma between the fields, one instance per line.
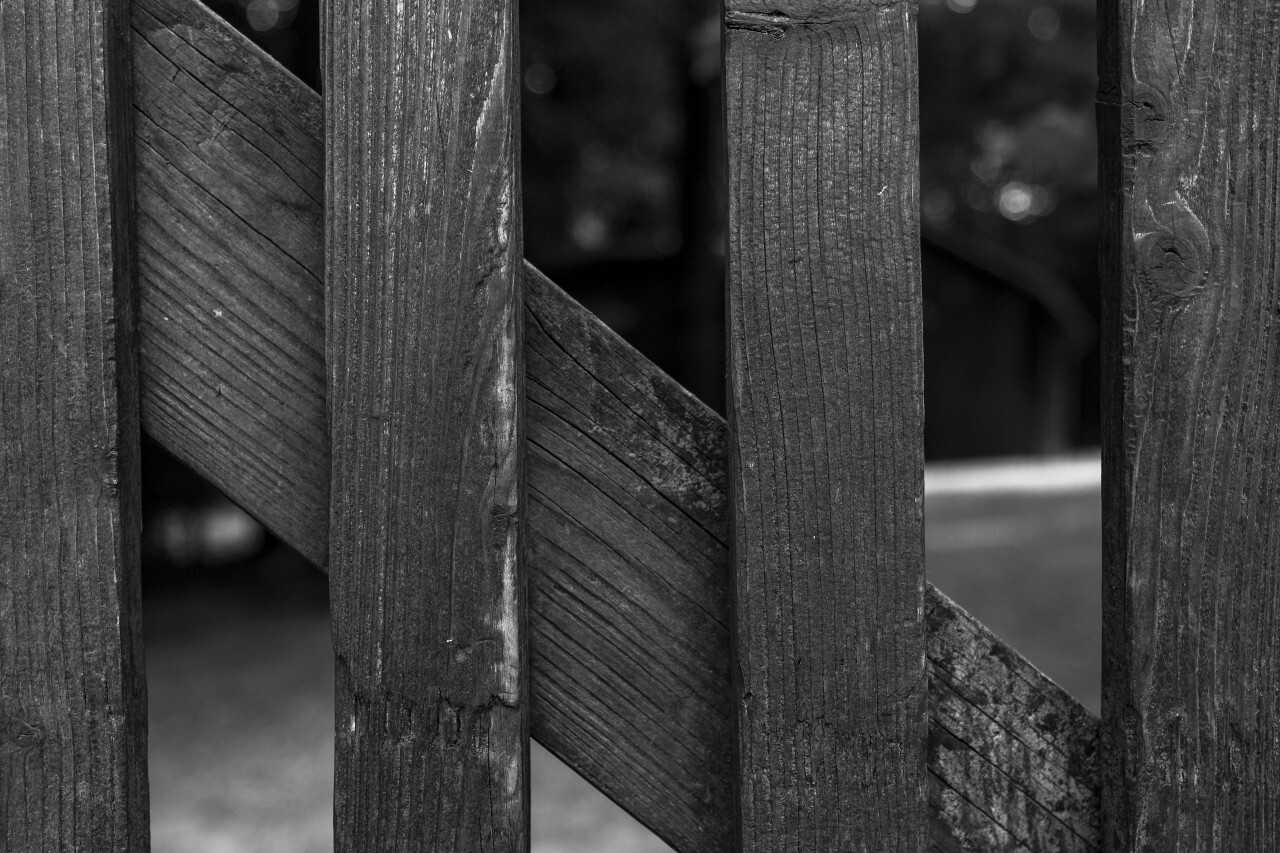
x=423, y=263
x=72, y=692
x=826, y=422
x=1189, y=120
x=1013, y=759
x=627, y=482
x=630, y=604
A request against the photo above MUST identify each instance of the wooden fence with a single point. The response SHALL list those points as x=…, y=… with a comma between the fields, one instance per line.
x=530, y=530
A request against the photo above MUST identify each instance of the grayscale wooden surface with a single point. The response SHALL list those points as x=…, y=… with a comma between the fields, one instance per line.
x=1191, y=479
x=627, y=479
x=826, y=426
x=234, y=211
x=423, y=264
x=72, y=696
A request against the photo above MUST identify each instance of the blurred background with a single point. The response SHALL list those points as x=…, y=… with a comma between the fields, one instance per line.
x=623, y=197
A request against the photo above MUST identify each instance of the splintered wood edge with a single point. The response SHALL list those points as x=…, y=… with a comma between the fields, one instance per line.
x=626, y=478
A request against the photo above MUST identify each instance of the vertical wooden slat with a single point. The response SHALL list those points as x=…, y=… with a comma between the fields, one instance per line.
x=72, y=696
x=826, y=419
x=423, y=256
x=1189, y=119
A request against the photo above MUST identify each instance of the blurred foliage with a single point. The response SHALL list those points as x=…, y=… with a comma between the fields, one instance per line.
x=1006, y=107
x=1007, y=128
x=1008, y=170
x=604, y=128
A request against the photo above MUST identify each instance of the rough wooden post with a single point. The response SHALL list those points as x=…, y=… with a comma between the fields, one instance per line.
x=425, y=372
x=1189, y=120
x=72, y=695
x=826, y=417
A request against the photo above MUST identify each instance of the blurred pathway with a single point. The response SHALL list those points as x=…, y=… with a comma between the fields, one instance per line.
x=240, y=680
x=1018, y=543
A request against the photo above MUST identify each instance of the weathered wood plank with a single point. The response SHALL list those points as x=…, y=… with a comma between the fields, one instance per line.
x=231, y=182
x=1189, y=118
x=627, y=479
x=629, y=611
x=72, y=692
x=423, y=262
x=1013, y=757
x=826, y=424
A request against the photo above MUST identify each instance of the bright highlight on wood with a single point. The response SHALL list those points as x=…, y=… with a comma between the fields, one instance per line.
x=423, y=261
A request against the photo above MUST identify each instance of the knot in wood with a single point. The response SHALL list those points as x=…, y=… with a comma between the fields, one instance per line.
x=1170, y=267
x=17, y=736
x=1150, y=111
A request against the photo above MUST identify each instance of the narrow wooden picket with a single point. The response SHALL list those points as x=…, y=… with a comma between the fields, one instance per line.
x=826, y=423
x=1189, y=121
x=425, y=374
x=72, y=692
